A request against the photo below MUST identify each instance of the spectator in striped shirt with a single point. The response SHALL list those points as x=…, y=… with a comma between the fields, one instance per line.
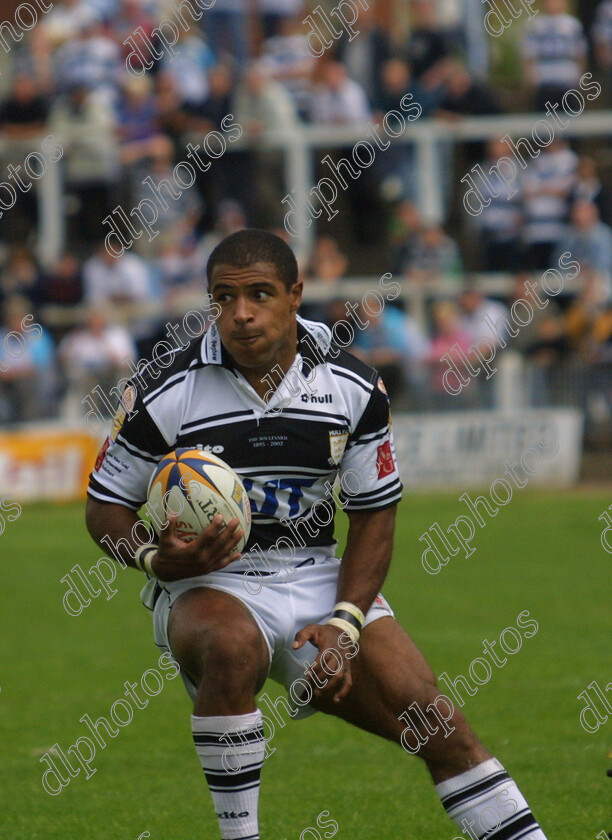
x=554, y=52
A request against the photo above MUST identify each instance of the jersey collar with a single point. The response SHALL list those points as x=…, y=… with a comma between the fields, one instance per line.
x=314, y=340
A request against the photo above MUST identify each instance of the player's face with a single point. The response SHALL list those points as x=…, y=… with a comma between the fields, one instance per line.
x=257, y=321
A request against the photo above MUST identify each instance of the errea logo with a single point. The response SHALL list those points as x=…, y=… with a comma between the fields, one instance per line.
x=326, y=398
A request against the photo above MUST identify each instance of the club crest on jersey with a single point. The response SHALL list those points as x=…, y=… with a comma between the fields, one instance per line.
x=384, y=462
x=337, y=444
x=128, y=398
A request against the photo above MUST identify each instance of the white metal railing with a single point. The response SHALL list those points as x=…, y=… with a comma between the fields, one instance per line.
x=299, y=146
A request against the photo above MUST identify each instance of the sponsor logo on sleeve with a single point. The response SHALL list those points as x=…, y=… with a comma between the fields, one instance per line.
x=384, y=462
x=102, y=454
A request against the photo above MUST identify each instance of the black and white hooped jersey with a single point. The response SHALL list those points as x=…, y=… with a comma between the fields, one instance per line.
x=328, y=417
x=557, y=45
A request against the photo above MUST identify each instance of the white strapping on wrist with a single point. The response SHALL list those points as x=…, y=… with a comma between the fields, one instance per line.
x=346, y=627
x=143, y=557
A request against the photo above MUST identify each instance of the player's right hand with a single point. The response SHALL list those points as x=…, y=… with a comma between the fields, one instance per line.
x=213, y=549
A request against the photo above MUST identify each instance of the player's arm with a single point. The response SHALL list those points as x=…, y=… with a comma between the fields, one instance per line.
x=367, y=556
x=112, y=528
x=370, y=506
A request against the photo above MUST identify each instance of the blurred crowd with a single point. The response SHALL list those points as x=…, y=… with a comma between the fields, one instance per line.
x=124, y=106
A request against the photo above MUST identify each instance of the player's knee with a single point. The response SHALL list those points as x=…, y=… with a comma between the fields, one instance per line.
x=228, y=645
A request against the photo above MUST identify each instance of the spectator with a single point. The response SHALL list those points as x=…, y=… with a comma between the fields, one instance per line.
x=530, y=334
x=62, y=283
x=589, y=241
x=93, y=59
x=20, y=278
x=225, y=27
x=189, y=68
x=477, y=312
x=24, y=115
x=406, y=229
x=274, y=13
x=138, y=120
x=434, y=256
x=396, y=346
x=179, y=217
x=463, y=95
x=209, y=114
x=95, y=354
x=65, y=21
x=428, y=44
x=365, y=56
x=589, y=187
x=554, y=53
x=131, y=16
x=339, y=100
x=262, y=106
x=447, y=333
x=328, y=263
x=115, y=280
x=548, y=184
x=499, y=224
x=27, y=381
x=396, y=167
x=583, y=311
x=86, y=131
x=602, y=41
x=287, y=59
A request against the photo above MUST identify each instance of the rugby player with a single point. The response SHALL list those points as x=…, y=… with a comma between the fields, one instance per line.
x=287, y=607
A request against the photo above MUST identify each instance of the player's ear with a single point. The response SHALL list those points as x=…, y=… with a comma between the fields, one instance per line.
x=295, y=293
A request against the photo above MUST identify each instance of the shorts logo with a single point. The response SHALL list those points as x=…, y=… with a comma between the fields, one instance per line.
x=337, y=444
x=102, y=454
x=384, y=462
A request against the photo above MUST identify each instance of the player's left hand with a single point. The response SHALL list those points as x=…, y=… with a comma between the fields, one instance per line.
x=324, y=674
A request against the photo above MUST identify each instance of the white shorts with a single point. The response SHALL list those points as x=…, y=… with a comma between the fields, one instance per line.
x=283, y=605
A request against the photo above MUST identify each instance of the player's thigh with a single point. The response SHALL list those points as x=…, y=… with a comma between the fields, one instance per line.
x=389, y=674
x=213, y=632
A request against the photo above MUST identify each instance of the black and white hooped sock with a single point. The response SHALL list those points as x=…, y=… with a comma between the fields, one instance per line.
x=231, y=750
x=486, y=803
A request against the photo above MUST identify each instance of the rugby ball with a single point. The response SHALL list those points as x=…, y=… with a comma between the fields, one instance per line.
x=195, y=485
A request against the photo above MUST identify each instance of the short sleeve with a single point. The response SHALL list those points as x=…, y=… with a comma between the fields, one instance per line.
x=128, y=455
x=369, y=477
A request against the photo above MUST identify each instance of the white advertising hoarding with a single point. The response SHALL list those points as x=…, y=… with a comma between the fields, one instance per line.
x=469, y=448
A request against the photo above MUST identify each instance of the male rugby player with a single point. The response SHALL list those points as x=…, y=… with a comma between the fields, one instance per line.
x=290, y=412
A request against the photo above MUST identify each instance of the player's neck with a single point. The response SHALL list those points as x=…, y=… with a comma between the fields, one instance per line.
x=268, y=376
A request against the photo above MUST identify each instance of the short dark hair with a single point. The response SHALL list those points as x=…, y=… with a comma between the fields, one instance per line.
x=252, y=245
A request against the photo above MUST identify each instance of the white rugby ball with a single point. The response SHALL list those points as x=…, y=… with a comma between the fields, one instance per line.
x=195, y=485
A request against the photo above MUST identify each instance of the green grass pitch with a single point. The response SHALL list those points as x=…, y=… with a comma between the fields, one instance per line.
x=542, y=553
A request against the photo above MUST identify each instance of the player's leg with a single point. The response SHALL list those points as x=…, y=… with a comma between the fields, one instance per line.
x=394, y=695
x=219, y=646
